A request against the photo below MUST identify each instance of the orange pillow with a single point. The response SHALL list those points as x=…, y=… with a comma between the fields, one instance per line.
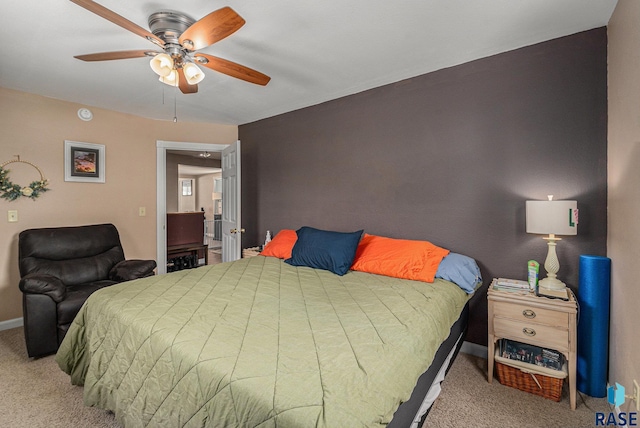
x=281, y=244
x=399, y=258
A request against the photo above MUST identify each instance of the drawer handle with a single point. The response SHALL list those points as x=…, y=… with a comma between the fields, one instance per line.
x=528, y=313
x=529, y=331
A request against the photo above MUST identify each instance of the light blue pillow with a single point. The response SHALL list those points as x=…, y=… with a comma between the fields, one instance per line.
x=324, y=249
x=460, y=270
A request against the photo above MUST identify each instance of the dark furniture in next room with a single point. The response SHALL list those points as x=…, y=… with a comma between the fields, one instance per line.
x=59, y=268
x=185, y=237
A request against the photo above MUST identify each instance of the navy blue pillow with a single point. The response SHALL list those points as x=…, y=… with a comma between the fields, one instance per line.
x=323, y=249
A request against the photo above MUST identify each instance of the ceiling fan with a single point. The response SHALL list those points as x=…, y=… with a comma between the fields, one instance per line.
x=180, y=37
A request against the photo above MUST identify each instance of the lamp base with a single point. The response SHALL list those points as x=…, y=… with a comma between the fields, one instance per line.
x=551, y=284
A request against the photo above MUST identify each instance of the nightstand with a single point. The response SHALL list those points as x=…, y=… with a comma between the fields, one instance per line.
x=540, y=321
x=250, y=252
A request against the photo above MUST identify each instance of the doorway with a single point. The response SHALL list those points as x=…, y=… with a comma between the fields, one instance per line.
x=161, y=189
x=198, y=174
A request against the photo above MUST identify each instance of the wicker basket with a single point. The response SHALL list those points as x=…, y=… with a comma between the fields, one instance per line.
x=538, y=384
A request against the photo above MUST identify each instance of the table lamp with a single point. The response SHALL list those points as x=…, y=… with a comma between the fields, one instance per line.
x=552, y=218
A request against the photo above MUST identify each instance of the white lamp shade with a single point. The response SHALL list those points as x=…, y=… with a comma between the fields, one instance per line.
x=171, y=79
x=552, y=217
x=192, y=73
x=162, y=64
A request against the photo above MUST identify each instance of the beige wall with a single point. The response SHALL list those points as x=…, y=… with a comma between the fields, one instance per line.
x=187, y=203
x=204, y=187
x=35, y=128
x=623, y=245
x=172, y=162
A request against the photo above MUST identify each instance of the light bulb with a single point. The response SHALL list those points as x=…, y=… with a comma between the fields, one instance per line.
x=192, y=73
x=171, y=79
x=162, y=64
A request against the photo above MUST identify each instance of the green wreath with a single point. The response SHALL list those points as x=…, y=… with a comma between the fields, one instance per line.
x=11, y=191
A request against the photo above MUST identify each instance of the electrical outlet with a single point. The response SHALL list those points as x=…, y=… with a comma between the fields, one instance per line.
x=636, y=394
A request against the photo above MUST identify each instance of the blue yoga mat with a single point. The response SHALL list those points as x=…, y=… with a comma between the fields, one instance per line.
x=593, y=325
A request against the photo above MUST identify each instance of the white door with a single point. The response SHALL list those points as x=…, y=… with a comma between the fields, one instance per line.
x=161, y=190
x=231, y=228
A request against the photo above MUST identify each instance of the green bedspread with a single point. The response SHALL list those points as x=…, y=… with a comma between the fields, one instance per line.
x=257, y=343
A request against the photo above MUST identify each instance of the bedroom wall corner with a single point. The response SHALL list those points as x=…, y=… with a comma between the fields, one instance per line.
x=623, y=244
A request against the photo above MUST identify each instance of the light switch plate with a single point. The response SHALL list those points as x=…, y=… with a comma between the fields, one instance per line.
x=12, y=216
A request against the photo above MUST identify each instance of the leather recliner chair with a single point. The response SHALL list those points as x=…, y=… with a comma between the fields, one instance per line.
x=60, y=268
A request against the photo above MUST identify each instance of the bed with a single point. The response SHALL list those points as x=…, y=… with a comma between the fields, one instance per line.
x=261, y=343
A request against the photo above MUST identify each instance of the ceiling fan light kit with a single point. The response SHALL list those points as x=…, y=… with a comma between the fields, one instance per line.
x=161, y=64
x=170, y=79
x=192, y=73
x=179, y=36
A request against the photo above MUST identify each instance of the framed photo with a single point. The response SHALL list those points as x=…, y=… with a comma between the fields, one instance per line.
x=84, y=162
x=186, y=187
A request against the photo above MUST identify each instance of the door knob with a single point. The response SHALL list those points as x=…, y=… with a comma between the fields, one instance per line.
x=237, y=230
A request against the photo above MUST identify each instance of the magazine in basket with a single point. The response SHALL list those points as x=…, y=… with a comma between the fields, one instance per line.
x=542, y=357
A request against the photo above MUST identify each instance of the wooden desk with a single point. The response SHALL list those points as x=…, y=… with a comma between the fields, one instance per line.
x=185, y=228
x=193, y=249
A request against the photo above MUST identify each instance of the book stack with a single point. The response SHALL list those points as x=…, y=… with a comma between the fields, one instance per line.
x=530, y=354
x=553, y=294
x=511, y=285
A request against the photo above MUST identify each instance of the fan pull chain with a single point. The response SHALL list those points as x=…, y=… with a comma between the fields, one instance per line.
x=175, y=104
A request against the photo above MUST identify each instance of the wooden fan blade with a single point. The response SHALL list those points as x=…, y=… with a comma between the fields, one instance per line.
x=108, y=56
x=184, y=86
x=109, y=15
x=210, y=29
x=233, y=69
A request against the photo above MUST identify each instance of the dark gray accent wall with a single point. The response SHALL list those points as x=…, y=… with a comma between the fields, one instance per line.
x=449, y=157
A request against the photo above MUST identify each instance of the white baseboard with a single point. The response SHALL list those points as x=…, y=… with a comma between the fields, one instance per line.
x=9, y=324
x=474, y=349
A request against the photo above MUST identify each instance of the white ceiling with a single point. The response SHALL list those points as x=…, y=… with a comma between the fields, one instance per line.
x=314, y=51
x=191, y=170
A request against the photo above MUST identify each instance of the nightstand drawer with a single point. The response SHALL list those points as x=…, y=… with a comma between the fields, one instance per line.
x=535, y=334
x=525, y=313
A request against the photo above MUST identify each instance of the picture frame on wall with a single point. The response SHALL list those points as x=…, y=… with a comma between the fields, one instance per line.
x=186, y=188
x=84, y=162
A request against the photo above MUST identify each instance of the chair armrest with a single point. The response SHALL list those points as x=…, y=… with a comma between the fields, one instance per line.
x=37, y=283
x=127, y=270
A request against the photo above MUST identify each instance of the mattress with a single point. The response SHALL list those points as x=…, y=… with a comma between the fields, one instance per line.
x=413, y=413
x=258, y=343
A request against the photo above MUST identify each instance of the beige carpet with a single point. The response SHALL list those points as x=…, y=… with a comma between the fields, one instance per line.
x=468, y=400
x=36, y=393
